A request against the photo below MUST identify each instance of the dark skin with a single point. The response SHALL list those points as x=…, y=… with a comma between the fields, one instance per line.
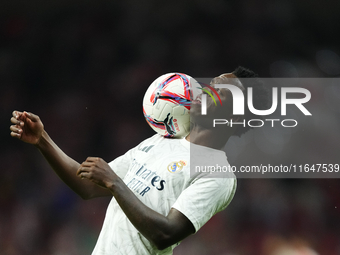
x=94, y=177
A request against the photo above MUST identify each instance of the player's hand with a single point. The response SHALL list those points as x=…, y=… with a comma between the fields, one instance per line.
x=97, y=171
x=27, y=127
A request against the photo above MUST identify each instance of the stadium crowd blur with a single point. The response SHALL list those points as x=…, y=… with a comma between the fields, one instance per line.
x=83, y=67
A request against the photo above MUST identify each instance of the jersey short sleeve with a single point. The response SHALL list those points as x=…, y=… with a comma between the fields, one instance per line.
x=204, y=198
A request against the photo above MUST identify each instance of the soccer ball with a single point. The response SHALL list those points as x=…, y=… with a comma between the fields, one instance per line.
x=166, y=104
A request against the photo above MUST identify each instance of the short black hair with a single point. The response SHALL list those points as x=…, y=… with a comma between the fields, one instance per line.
x=249, y=78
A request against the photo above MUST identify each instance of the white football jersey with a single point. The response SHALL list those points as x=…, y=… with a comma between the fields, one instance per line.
x=158, y=172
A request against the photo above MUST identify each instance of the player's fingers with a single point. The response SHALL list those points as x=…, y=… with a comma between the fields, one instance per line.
x=85, y=175
x=16, y=114
x=79, y=171
x=82, y=169
x=16, y=121
x=15, y=128
x=87, y=164
x=92, y=159
x=82, y=175
x=32, y=116
x=15, y=132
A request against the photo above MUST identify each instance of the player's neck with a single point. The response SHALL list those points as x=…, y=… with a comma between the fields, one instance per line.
x=212, y=138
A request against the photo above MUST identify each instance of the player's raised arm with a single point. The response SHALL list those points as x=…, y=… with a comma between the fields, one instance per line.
x=28, y=128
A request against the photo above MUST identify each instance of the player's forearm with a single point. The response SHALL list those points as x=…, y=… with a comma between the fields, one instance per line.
x=64, y=166
x=154, y=226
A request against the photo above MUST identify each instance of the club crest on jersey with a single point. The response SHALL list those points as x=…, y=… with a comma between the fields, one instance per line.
x=176, y=166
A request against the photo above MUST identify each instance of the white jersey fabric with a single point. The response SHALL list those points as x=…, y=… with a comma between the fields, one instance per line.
x=158, y=172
